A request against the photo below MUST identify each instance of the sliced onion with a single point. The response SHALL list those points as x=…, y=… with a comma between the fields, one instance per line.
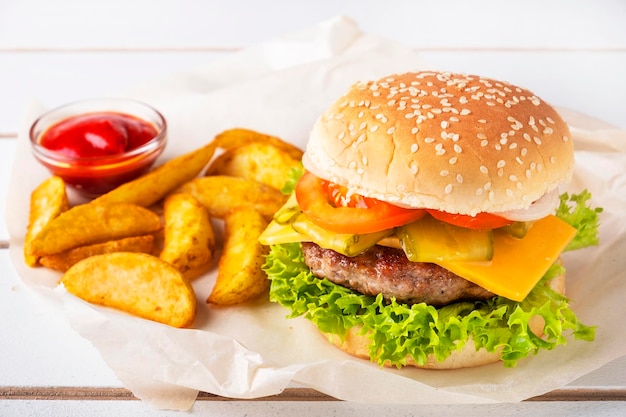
x=546, y=205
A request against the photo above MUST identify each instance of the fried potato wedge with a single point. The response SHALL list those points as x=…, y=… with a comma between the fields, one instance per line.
x=233, y=138
x=240, y=277
x=156, y=184
x=64, y=260
x=90, y=223
x=137, y=283
x=221, y=194
x=47, y=202
x=258, y=161
x=189, y=239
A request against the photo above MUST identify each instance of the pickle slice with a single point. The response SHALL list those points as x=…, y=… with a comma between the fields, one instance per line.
x=517, y=229
x=430, y=240
x=288, y=212
x=344, y=243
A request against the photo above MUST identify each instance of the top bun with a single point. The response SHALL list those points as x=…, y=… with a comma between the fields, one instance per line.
x=452, y=142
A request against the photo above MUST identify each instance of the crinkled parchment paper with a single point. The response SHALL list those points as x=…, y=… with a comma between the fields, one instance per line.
x=280, y=87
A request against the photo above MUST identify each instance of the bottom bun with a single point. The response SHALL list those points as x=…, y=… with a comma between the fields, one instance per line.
x=357, y=344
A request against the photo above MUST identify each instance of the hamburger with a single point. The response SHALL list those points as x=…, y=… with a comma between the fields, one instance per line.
x=421, y=230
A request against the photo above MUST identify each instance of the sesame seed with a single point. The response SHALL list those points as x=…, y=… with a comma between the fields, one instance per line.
x=444, y=172
x=391, y=130
x=374, y=128
x=364, y=160
x=362, y=126
x=414, y=147
x=501, y=163
x=483, y=121
x=483, y=169
x=360, y=114
x=524, y=151
x=448, y=189
x=512, y=178
x=537, y=140
x=565, y=138
x=479, y=191
x=484, y=143
x=487, y=185
x=452, y=160
x=548, y=131
x=341, y=135
x=444, y=124
x=429, y=140
x=459, y=178
x=414, y=130
x=550, y=120
x=465, y=112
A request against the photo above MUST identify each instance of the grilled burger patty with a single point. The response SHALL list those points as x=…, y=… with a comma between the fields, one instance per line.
x=386, y=270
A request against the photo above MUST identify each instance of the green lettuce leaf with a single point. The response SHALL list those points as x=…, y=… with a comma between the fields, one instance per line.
x=397, y=330
x=574, y=209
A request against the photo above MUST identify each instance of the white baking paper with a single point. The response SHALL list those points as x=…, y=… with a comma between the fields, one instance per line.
x=251, y=351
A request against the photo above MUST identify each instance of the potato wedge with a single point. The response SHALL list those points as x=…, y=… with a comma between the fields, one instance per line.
x=64, y=260
x=240, y=277
x=156, y=184
x=233, y=138
x=189, y=239
x=137, y=283
x=258, y=161
x=47, y=202
x=221, y=193
x=89, y=223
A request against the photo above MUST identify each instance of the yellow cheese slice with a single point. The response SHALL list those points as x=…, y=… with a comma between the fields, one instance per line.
x=518, y=264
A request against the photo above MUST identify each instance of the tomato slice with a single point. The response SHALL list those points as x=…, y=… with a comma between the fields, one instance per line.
x=482, y=221
x=329, y=206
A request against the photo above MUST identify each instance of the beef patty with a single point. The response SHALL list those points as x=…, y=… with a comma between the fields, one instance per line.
x=386, y=270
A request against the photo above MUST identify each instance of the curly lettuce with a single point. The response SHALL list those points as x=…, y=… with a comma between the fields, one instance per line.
x=419, y=330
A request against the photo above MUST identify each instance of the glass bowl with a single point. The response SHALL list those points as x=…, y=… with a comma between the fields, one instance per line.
x=91, y=175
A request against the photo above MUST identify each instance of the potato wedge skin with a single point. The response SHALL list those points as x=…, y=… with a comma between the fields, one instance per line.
x=222, y=193
x=258, y=161
x=240, y=277
x=233, y=138
x=140, y=284
x=90, y=223
x=156, y=184
x=64, y=260
x=189, y=239
x=47, y=202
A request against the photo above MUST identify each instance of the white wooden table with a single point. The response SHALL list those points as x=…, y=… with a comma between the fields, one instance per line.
x=571, y=53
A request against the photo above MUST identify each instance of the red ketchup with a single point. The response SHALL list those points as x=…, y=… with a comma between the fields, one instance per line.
x=97, y=135
x=94, y=149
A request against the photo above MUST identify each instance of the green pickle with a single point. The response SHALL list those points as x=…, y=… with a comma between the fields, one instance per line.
x=430, y=240
x=517, y=229
x=288, y=212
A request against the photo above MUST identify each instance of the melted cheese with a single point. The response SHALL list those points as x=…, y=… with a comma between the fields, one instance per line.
x=518, y=264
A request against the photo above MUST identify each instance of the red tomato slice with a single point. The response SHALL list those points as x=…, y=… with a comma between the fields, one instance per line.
x=362, y=214
x=482, y=221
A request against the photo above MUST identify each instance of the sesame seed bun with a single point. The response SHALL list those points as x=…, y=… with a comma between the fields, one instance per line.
x=357, y=344
x=452, y=142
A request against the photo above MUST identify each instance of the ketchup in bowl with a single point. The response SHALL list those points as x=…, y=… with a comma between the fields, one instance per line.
x=98, y=145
